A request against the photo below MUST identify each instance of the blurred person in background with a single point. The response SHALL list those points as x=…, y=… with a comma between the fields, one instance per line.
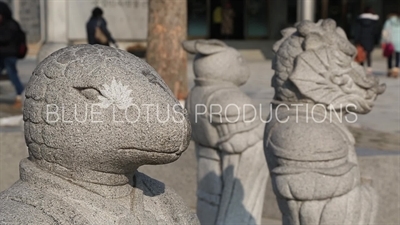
x=391, y=42
x=227, y=25
x=217, y=21
x=9, y=47
x=96, y=28
x=367, y=33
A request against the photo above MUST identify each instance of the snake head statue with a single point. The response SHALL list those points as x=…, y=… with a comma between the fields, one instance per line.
x=96, y=108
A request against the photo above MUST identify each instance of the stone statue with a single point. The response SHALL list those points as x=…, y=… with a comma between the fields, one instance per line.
x=93, y=115
x=309, y=150
x=231, y=172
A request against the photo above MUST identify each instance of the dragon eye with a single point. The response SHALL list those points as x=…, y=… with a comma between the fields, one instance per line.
x=89, y=93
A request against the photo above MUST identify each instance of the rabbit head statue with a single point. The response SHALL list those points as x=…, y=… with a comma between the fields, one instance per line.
x=215, y=60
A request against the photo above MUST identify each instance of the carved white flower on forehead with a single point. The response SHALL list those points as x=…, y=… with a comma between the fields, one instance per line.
x=116, y=94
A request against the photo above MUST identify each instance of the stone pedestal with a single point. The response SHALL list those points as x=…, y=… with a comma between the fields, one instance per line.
x=126, y=19
x=56, y=28
x=66, y=21
x=48, y=48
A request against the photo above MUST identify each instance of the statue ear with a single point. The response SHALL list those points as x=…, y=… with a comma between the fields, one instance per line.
x=209, y=47
x=288, y=31
x=189, y=46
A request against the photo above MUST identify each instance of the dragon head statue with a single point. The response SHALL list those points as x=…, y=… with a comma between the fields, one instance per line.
x=314, y=63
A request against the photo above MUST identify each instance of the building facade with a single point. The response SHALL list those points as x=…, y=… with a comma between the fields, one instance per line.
x=248, y=19
x=263, y=19
x=27, y=12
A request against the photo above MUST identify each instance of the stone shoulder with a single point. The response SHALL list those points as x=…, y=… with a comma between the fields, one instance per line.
x=172, y=203
x=15, y=210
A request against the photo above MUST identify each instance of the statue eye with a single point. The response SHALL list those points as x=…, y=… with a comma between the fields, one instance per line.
x=89, y=92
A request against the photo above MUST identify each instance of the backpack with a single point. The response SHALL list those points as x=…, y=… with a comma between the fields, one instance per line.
x=99, y=34
x=22, y=48
x=388, y=50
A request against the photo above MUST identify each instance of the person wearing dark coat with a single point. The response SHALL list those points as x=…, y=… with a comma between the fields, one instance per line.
x=97, y=20
x=9, y=30
x=367, y=33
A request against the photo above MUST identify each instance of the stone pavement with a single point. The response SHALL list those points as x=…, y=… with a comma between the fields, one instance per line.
x=377, y=134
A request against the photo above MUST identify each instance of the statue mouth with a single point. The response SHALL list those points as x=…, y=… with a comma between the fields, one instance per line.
x=177, y=152
x=366, y=81
x=164, y=147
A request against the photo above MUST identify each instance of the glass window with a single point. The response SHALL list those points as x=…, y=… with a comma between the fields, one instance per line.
x=197, y=18
x=256, y=13
x=292, y=12
x=344, y=12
